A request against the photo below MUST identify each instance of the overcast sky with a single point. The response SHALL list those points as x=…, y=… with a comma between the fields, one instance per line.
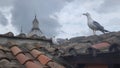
x=61, y=18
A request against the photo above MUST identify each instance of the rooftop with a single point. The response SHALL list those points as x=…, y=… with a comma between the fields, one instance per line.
x=34, y=52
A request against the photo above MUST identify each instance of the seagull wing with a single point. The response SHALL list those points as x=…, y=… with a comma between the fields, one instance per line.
x=98, y=26
x=54, y=40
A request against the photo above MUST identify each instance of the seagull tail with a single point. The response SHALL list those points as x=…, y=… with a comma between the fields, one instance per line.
x=103, y=31
x=106, y=31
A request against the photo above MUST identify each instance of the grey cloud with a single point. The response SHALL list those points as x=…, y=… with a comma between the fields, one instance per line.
x=109, y=6
x=50, y=27
x=24, y=11
x=116, y=21
x=69, y=0
x=4, y=3
x=3, y=20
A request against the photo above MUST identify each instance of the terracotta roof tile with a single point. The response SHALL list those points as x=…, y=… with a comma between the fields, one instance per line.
x=6, y=49
x=39, y=54
x=22, y=58
x=55, y=65
x=10, y=55
x=6, y=58
x=32, y=65
x=36, y=53
x=3, y=62
x=44, y=59
x=11, y=44
x=37, y=62
x=13, y=65
x=38, y=46
x=15, y=50
x=100, y=45
x=1, y=48
x=2, y=55
x=113, y=40
x=17, y=63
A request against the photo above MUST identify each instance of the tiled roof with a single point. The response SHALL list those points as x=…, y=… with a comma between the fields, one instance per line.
x=100, y=45
x=23, y=52
x=23, y=36
x=83, y=45
x=14, y=56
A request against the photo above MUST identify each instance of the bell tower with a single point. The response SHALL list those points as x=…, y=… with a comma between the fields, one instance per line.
x=35, y=24
x=35, y=28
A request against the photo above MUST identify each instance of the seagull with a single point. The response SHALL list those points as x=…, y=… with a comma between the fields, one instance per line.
x=95, y=26
x=54, y=41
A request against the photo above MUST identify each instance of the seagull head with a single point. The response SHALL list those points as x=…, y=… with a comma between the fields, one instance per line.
x=86, y=14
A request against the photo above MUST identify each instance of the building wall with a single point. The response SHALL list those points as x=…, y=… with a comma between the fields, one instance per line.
x=96, y=66
x=4, y=40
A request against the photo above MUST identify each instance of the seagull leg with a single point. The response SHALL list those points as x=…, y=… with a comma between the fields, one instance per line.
x=94, y=32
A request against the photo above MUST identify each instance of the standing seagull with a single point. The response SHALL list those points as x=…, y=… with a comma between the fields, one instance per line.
x=54, y=41
x=95, y=26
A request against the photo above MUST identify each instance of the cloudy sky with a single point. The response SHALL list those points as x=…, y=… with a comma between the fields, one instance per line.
x=61, y=18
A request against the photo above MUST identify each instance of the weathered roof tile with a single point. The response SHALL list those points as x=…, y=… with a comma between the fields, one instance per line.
x=101, y=45
x=30, y=47
x=36, y=53
x=44, y=59
x=30, y=64
x=43, y=55
x=15, y=50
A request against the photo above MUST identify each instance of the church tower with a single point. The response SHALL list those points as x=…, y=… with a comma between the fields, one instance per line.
x=35, y=29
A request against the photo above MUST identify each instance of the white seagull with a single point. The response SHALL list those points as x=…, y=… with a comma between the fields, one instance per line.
x=54, y=41
x=95, y=26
